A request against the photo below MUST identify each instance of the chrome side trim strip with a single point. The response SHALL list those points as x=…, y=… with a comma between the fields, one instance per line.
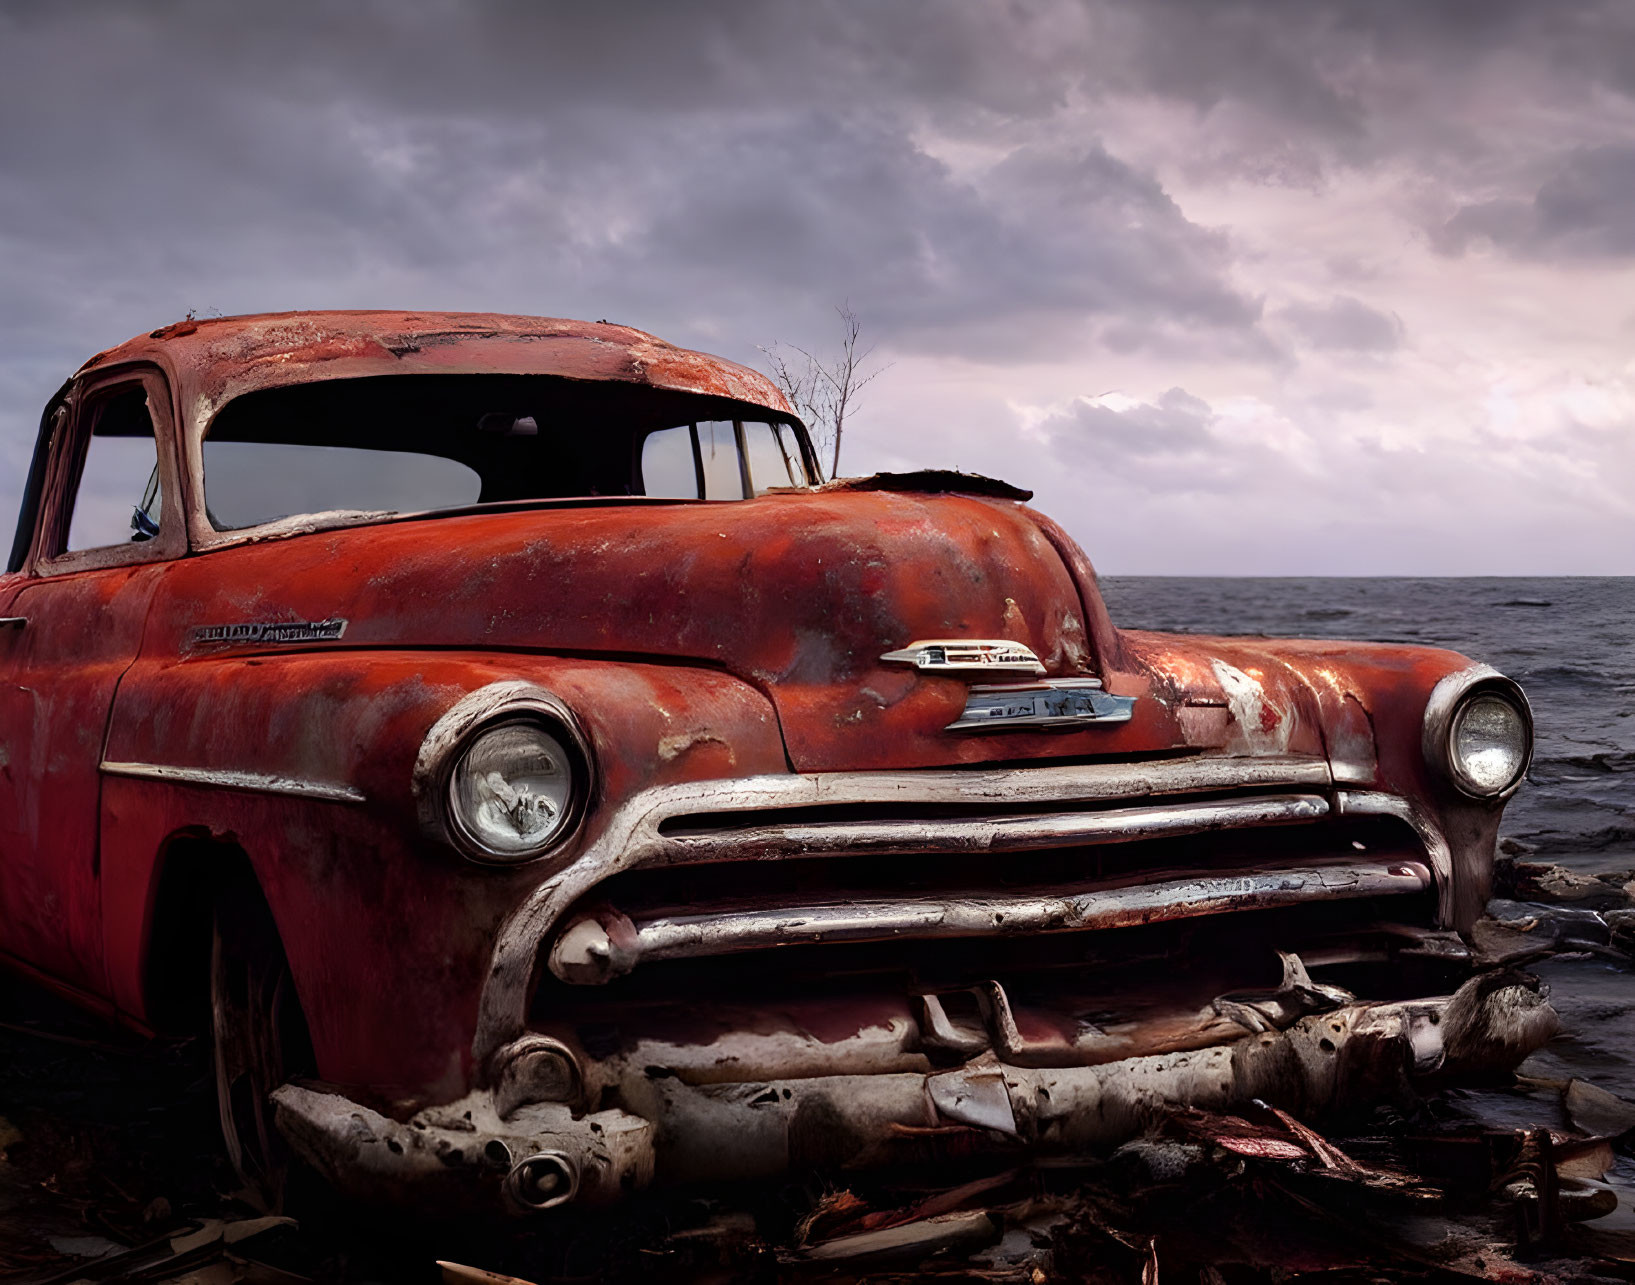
x=602, y=945
x=225, y=779
x=630, y=837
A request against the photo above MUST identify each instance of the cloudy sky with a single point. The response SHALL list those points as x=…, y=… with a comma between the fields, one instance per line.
x=1282, y=286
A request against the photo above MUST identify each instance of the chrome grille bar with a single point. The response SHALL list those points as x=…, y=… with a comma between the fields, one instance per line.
x=600, y=945
x=640, y=834
x=1013, y=833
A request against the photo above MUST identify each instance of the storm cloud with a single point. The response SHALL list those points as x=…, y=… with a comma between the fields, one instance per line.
x=1348, y=278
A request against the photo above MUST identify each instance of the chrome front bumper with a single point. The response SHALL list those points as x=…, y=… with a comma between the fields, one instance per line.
x=543, y=1155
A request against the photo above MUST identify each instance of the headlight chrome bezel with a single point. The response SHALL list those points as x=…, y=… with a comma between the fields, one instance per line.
x=473, y=716
x=1450, y=699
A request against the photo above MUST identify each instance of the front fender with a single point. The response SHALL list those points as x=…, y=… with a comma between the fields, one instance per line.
x=1372, y=700
x=1363, y=705
x=306, y=762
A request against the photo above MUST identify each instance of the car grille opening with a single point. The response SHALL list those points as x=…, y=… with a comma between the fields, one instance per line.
x=856, y=1000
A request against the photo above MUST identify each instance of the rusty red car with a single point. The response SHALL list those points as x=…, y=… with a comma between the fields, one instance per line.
x=540, y=783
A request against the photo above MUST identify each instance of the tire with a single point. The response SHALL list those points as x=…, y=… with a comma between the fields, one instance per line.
x=260, y=1041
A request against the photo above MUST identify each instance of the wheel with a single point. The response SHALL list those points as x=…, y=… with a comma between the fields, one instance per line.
x=260, y=1041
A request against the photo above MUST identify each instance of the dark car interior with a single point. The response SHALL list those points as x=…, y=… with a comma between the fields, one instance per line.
x=412, y=443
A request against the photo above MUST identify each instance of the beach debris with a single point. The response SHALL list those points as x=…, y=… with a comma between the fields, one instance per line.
x=910, y=1241
x=1495, y=1020
x=460, y=1274
x=1296, y=996
x=201, y=1253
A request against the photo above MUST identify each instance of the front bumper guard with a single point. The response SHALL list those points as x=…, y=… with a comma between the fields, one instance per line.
x=542, y=1155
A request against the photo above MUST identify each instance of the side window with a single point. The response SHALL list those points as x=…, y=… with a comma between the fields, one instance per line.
x=117, y=500
x=774, y=458
x=719, y=460
x=718, y=451
x=668, y=468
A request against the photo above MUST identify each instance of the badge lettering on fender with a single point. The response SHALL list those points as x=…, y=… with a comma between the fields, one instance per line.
x=963, y=655
x=1057, y=704
x=267, y=632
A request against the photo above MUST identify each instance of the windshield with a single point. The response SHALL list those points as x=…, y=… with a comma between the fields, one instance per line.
x=416, y=443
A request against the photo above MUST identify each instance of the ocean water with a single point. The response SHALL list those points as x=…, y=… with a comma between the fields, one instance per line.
x=1569, y=641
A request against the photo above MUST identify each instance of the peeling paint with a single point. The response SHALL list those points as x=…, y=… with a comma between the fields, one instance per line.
x=1262, y=728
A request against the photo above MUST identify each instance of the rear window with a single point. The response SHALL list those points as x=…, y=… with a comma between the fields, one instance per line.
x=410, y=444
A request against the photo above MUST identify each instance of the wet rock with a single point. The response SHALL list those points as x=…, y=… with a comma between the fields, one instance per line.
x=1596, y=1112
x=1621, y=929
x=1522, y=880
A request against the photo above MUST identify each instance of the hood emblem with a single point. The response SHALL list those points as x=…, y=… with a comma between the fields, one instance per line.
x=1057, y=704
x=965, y=655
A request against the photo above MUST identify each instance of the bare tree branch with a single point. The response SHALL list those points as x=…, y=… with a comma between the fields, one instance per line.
x=825, y=393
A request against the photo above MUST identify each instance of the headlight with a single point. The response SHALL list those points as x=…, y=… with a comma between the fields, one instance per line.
x=1479, y=732
x=511, y=793
x=1488, y=748
x=504, y=776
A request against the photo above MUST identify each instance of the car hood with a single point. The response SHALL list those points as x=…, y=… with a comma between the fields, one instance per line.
x=799, y=594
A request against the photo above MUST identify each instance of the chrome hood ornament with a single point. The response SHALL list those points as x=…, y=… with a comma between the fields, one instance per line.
x=966, y=655
x=1057, y=704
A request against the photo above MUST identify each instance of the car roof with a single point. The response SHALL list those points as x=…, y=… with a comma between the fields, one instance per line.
x=214, y=359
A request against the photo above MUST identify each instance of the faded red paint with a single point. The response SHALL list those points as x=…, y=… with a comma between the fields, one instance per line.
x=695, y=642
x=392, y=1012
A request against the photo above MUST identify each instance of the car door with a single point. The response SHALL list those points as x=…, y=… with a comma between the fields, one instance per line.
x=109, y=519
